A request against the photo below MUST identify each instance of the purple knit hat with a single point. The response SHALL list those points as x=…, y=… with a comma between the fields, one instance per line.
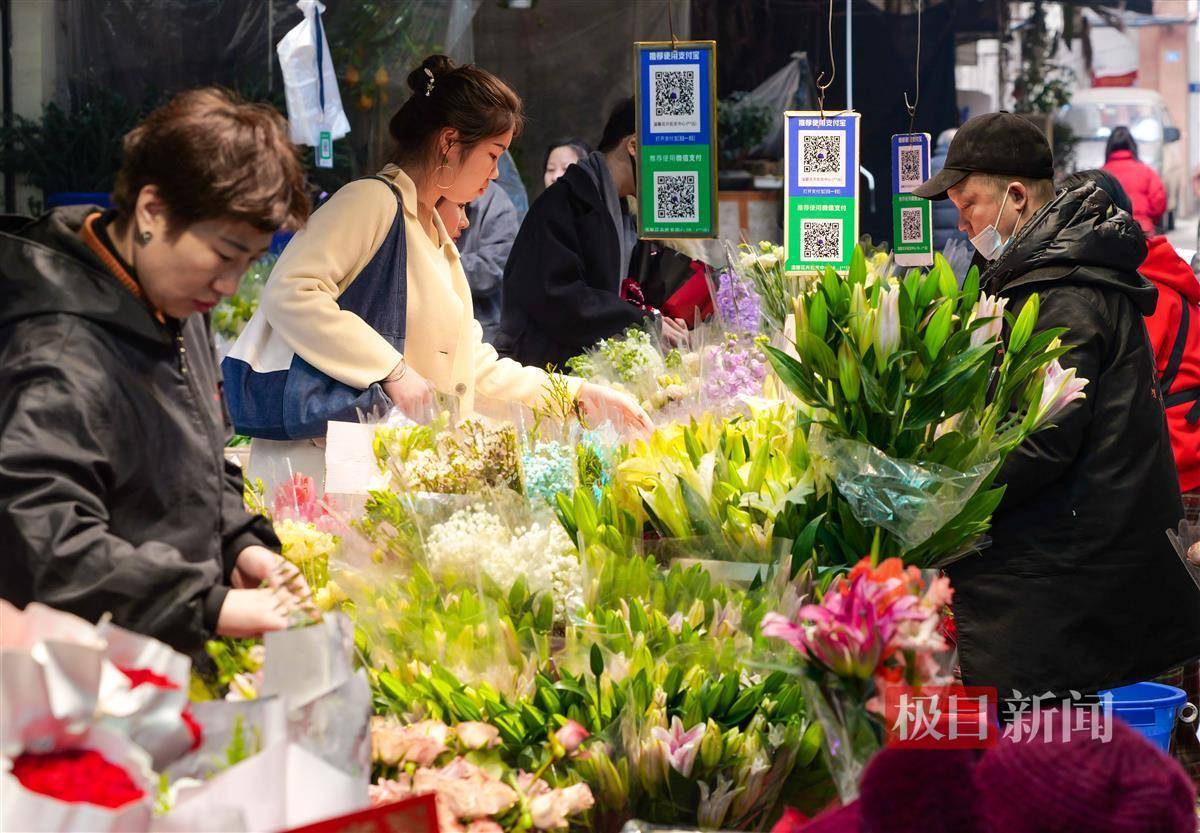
x=1123, y=786
x=1082, y=784
x=910, y=791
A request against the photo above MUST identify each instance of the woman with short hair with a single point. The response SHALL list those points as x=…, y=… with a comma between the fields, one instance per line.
x=115, y=495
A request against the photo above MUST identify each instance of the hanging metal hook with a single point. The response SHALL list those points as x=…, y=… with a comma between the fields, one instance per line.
x=912, y=108
x=671, y=26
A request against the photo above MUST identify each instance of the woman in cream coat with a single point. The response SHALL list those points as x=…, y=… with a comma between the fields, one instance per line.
x=371, y=292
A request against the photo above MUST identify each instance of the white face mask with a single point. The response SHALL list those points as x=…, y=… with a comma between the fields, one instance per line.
x=988, y=242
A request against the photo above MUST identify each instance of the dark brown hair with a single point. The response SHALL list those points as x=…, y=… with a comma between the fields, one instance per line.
x=212, y=155
x=466, y=98
x=1120, y=139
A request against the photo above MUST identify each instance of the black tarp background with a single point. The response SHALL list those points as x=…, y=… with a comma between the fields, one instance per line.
x=756, y=37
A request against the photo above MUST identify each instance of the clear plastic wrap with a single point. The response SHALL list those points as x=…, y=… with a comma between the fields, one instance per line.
x=908, y=500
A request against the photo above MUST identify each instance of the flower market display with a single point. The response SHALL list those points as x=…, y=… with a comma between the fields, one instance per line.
x=551, y=627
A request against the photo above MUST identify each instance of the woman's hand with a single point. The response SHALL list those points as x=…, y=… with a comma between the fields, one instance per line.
x=600, y=403
x=247, y=614
x=412, y=393
x=675, y=332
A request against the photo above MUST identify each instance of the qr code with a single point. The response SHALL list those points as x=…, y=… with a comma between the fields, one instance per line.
x=911, y=225
x=821, y=240
x=676, y=197
x=675, y=93
x=910, y=168
x=822, y=159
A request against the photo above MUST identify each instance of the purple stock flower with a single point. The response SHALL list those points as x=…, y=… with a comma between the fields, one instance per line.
x=737, y=303
x=733, y=369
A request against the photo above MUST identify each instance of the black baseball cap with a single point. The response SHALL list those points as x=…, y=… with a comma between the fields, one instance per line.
x=994, y=143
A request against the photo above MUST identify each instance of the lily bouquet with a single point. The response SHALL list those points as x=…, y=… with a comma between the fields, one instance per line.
x=873, y=628
x=734, y=485
x=920, y=396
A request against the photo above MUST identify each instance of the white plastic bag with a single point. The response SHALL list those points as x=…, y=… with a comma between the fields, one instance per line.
x=302, y=83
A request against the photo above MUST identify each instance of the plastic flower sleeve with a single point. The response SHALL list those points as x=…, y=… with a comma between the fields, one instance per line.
x=26, y=810
x=150, y=712
x=283, y=786
x=411, y=619
x=328, y=702
x=233, y=732
x=910, y=501
x=443, y=457
x=52, y=672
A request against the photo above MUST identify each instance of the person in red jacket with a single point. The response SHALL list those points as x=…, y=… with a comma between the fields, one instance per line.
x=1142, y=183
x=1174, y=332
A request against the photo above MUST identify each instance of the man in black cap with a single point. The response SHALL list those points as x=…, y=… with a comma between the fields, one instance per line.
x=1080, y=590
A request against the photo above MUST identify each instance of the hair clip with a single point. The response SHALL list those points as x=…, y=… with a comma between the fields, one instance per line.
x=429, y=86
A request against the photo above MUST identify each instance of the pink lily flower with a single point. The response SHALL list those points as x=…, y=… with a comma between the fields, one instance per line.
x=852, y=629
x=681, y=746
x=1059, y=389
x=988, y=306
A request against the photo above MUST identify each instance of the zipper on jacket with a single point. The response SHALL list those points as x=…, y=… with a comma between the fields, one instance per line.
x=215, y=442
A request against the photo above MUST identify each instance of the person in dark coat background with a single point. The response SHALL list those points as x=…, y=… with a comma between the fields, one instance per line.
x=115, y=494
x=945, y=215
x=1081, y=589
x=563, y=278
x=1174, y=332
x=483, y=248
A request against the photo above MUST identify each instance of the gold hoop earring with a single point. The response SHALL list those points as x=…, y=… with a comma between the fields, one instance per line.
x=437, y=176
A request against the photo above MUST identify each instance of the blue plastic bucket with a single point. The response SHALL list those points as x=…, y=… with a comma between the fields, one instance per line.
x=1150, y=708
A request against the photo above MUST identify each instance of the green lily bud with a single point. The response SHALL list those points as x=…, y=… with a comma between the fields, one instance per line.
x=862, y=319
x=1023, y=329
x=800, y=310
x=848, y=372
x=938, y=329
x=818, y=315
x=712, y=747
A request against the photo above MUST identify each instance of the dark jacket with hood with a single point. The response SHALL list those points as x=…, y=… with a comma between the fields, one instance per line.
x=563, y=278
x=114, y=492
x=1081, y=589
